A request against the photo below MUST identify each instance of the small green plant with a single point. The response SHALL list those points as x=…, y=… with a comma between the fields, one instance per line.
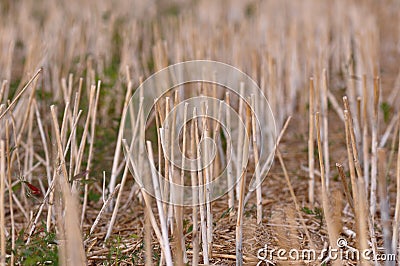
x=116, y=255
x=93, y=196
x=386, y=109
x=42, y=249
x=317, y=212
x=307, y=210
x=225, y=213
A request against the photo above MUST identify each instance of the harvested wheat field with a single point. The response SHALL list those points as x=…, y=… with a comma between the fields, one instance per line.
x=241, y=132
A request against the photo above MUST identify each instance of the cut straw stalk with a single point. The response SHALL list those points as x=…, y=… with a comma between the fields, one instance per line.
x=396, y=223
x=147, y=239
x=362, y=227
x=365, y=133
x=353, y=139
x=176, y=195
x=164, y=226
x=231, y=192
x=74, y=252
x=159, y=143
x=324, y=96
x=311, y=182
x=201, y=186
x=179, y=209
x=172, y=177
x=195, y=200
x=207, y=178
x=374, y=149
x=28, y=160
x=219, y=159
x=241, y=136
x=2, y=210
x=3, y=91
x=257, y=167
x=345, y=185
x=351, y=163
x=165, y=137
x=331, y=224
x=9, y=167
x=384, y=204
x=239, y=221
